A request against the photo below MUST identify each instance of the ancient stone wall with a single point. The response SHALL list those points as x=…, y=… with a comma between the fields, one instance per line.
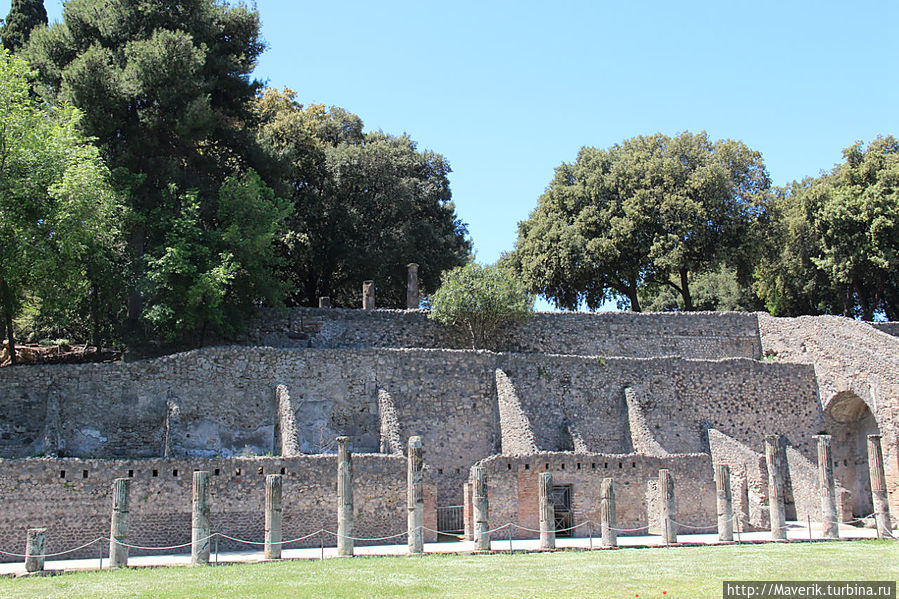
x=512, y=489
x=705, y=335
x=854, y=363
x=71, y=497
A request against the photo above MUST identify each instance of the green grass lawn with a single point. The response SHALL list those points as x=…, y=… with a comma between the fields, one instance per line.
x=677, y=572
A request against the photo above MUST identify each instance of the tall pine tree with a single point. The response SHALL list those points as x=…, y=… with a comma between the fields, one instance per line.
x=24, y=15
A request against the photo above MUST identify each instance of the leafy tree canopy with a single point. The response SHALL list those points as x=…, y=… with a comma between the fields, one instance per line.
x=479, y=300
x=651, y=213
x=60, y=219
x=366, y=204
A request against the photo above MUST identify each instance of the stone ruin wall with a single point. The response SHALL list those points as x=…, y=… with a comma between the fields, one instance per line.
x=77, y=492
x=213, y=404
x=512, y=489
x=701, y=335
x=854, y=363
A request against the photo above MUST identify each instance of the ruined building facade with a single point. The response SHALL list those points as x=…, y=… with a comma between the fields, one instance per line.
x=584, y=396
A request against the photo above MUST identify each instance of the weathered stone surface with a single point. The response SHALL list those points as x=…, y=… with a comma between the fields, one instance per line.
x=345, y=515
x=724, y=503
x=120, y=522
x=273, y=512
x=547, y=513
x=201, y=529
x=415, y=497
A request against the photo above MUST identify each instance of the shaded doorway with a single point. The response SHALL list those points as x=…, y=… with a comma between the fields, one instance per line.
x=850, y=421
x=562, y=507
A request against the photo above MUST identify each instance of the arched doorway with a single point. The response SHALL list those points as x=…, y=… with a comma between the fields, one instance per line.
x=850, y=421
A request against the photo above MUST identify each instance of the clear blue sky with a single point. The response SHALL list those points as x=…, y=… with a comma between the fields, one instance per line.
x=508, y=90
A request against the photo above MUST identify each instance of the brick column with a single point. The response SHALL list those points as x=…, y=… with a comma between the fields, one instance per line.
x=344, y=498
x=118, y=528
x=608, y=522
x=827, y=489
x=415, y=500
x=200, y=528
x=879, y=488
x=776, y=512
x=547, y=511
x=725, y=503
x=273, y=509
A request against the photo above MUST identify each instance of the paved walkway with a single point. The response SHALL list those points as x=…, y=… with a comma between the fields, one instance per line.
x=797, y=531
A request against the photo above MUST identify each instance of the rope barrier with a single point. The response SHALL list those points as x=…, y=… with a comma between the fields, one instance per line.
x=340, y=536
x=46, y=555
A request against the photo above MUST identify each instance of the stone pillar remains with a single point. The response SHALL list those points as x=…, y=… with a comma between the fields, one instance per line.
x=344, y=498
x=412, y=298
x=547, y=511
x=879, y=488
x=776, y=512
x=324, y=302
x=273, y=495
x=34, y=549
x=481, y=509
x=118, y=529
x=725, y=503
x=827, y=489
x=668, y=511
x=607, y=519
x=200, y=528
x=368, y=295
x=415, y=503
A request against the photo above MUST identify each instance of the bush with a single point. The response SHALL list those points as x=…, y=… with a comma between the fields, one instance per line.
x=479, y=300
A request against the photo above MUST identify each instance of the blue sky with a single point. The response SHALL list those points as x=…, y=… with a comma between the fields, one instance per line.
x=507, y=91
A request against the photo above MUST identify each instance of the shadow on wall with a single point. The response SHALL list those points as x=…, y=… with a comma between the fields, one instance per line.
x=849, y=420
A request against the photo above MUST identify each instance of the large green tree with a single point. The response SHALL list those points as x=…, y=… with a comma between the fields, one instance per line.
x=366, y=204
x=648, y=214
x=23, y=17
x=60, y=219
x=166, y=90
x=835, y=245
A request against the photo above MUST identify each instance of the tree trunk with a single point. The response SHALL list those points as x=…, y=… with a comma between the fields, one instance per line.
x=685, y=291
x=135, y=300
x=7, y=316
x=632, y=296
x=863, y=303
x=95, y=316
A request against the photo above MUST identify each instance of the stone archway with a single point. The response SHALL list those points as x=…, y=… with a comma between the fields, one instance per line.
x=850, y=421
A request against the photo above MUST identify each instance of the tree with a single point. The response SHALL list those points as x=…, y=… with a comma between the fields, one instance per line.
x=479, y=300
x=206, y=281
x=165, y=88
x=366, y=204
x=653, y=212
x=23, y=17
x=59, y=216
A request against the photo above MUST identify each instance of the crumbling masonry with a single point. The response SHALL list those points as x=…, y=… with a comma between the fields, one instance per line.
x=584, y=397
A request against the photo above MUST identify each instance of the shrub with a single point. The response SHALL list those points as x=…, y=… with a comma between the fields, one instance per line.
x=479, y=300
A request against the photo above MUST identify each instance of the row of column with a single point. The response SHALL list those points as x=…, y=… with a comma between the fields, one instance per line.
x=413, y=299
x=201, y=531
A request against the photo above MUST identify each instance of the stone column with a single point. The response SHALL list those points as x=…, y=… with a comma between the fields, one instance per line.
x=415, y=499
x=200, y=528
x=273, y=495
x=830, y=527
x=725, y=503
x=668, y=510
x=344, y=498
x=34, y=549
x=324, y=302
x=879, y=488
x=776, y=512
x=412, y=298
x=607, y=519
x=547, y=511
x=118, y=529
x=368, y=295
x=481, y=509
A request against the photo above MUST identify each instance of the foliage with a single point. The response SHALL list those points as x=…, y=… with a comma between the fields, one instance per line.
x=166, y=90
x=23, y=17
x=653, y=212
x=717, y=290
x=60, y=219
x=366, y=204
x=479, y=301
x=834, y=246
x=202, y=281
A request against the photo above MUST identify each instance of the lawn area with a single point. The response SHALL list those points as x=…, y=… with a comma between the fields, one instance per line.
x=677, y=572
